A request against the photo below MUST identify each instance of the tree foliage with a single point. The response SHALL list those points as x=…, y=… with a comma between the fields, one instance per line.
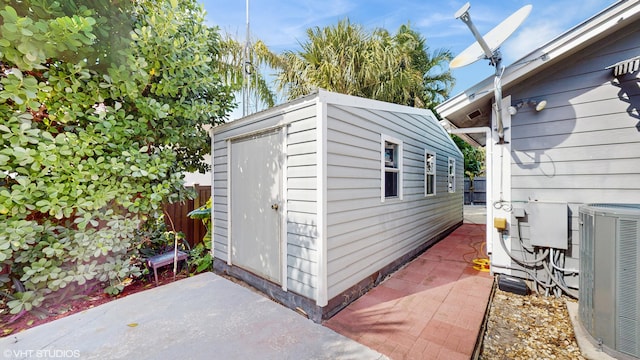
x=474, y=158
x=437, y=82
x=104, y=104
x=348, y=59
x=234, y=62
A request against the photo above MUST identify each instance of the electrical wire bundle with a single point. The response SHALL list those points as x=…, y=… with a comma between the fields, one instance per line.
x=547, y=260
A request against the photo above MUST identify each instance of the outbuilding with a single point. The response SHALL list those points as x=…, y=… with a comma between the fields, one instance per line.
x=317, y=200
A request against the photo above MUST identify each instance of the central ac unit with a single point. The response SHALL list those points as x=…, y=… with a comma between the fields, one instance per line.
x=609, y=276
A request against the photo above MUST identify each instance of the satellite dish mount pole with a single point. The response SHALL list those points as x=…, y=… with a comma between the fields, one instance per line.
x=494, y=58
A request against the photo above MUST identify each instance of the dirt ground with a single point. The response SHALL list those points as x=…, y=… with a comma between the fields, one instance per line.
x=529, y=327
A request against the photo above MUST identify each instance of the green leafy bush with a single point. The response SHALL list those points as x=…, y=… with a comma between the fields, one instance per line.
x=201, y=257
x=104, y=104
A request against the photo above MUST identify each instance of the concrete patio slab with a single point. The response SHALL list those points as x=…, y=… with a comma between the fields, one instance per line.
x=475, y=214
x=202, y=317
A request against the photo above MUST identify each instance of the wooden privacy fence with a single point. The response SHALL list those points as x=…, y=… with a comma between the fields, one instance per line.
x=479, y=194
x=193, y=229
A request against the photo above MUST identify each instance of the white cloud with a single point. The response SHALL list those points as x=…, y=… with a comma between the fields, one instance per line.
x=435, y=19
x=529, y=38
x=547, y=22
x=280, y=24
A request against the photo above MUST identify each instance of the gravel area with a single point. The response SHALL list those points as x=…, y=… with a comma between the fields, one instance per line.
x=529, y=327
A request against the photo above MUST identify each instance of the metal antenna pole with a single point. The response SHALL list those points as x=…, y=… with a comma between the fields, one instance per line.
x=495, y=59
x=246, y=78
x=463, y=14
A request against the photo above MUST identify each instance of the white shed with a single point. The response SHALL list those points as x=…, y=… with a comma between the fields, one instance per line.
x=316, y=200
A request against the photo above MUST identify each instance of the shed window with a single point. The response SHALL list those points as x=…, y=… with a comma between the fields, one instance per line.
x=391, y=168
x=429, y=173
x=452, y=175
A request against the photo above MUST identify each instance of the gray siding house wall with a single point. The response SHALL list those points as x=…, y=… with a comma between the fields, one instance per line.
x=339, y=232
x=582, y=148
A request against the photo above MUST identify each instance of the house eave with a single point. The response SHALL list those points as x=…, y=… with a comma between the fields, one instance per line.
x=562, y=47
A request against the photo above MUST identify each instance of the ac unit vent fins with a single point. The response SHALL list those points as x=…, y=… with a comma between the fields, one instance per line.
x=610, y=276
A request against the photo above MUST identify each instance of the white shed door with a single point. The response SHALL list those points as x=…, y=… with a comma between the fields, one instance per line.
x=256, y=180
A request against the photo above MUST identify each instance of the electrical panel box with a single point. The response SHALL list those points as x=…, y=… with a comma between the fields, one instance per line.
x=548, y=224
x=518, y=212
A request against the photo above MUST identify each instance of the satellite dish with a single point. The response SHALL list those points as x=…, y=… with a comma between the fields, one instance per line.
x=486, y=46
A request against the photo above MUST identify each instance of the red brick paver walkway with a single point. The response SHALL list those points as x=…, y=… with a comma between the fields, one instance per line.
x=432, y=308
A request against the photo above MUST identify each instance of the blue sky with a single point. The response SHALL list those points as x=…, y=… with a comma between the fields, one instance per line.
x=281, y=24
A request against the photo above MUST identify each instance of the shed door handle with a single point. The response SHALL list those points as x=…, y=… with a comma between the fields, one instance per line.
x=275, y=207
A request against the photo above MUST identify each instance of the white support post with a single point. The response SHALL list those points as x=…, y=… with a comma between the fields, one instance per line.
x=284, y=217
x=501, y=190
x=322, y=292
x=213, y=200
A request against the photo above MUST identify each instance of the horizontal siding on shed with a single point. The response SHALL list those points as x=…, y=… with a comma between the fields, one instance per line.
x=300, y=120
x=584, y=147
x=302, y=267
x=301, y=185
x=365, y=234
x=368, y=255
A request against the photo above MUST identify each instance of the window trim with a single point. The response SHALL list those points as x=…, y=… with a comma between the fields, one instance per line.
x=451, y=178
x=432, y=173
x=384, y=169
